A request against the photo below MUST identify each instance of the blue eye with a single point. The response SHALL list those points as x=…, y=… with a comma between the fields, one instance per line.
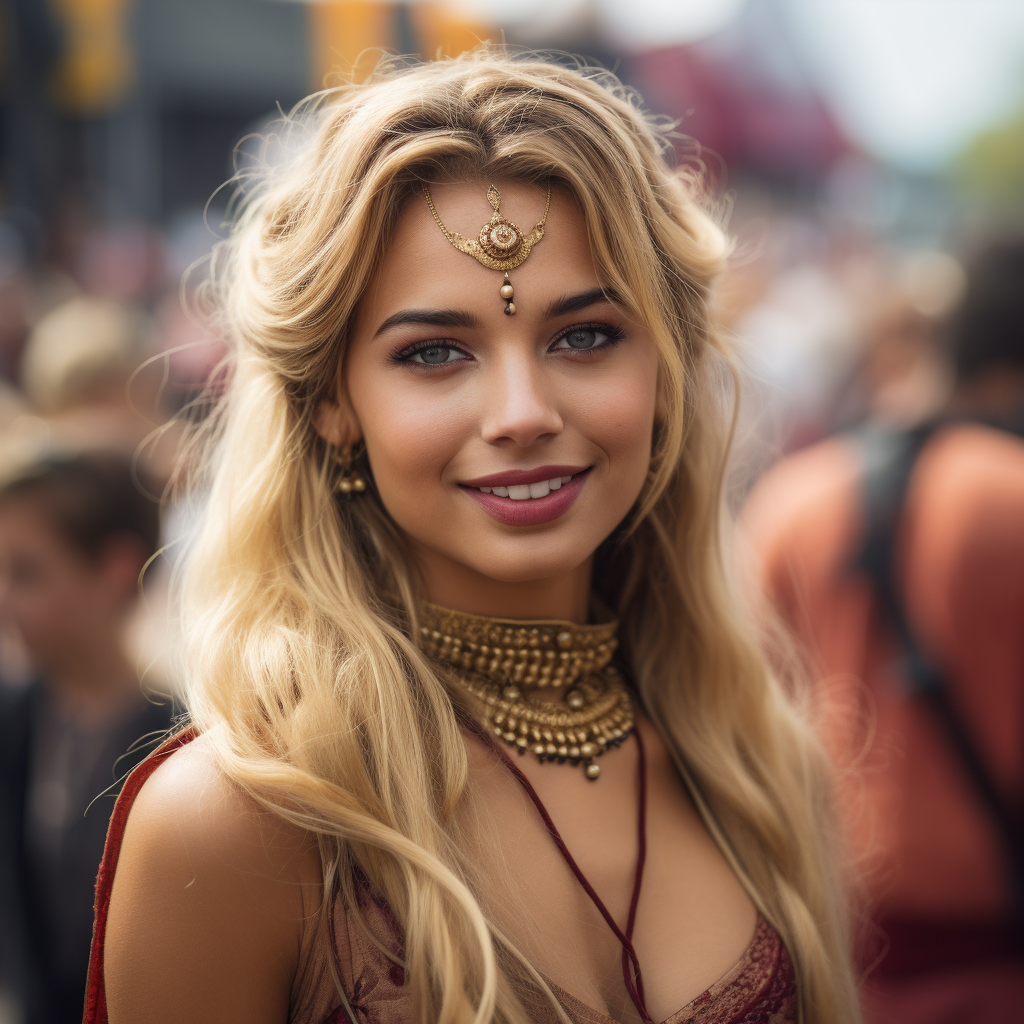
x=588, y=339
x=435, y=355
x=584, y=338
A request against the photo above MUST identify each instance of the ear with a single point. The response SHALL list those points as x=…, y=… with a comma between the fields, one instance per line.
x=335, y=421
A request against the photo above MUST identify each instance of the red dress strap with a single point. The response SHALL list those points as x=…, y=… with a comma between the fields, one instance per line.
x=631, y=973
x=95, y=993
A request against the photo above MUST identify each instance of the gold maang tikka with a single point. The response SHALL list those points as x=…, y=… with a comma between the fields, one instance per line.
x=500, y=244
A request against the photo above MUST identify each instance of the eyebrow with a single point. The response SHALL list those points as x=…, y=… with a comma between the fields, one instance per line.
x=461, y=318
x=574, y=303
x=428, y=318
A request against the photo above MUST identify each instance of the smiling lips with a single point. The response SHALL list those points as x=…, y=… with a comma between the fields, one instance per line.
x=528, y=497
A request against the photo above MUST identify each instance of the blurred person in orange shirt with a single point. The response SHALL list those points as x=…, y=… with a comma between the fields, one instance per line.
x=896, y=554
x=75, y=532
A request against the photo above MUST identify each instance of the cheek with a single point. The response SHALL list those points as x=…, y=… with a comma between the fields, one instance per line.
x=618, y=416
x=411, y=433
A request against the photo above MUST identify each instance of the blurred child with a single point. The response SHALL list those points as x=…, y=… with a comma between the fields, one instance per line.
x=75, y=532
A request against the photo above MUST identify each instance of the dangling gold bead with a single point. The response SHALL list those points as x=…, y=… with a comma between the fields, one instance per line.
x=510, y=309
x=358, y=484
x=506, y=291
x=595, y=713
x=345, y=485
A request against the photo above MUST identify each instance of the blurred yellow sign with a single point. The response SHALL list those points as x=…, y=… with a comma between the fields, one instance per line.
x=444, y=31
x=343, y=34
x=348, y=36
x=96, y=67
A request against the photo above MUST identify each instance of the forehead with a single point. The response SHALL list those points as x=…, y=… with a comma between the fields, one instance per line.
x=421, y=268
x=26, y=519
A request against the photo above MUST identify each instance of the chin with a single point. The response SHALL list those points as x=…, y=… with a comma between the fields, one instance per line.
x=523, y=563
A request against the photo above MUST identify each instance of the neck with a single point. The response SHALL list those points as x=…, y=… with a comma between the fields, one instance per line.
x=94, y=684
x=565, y=597
x=997, y=394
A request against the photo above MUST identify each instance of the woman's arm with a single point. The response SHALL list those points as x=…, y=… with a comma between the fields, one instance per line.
x=209, y=903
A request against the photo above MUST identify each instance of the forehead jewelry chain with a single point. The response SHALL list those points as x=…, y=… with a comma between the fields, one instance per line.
x=500, y=244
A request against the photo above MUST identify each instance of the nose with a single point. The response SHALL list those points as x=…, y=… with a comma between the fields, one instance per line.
x=519, y=407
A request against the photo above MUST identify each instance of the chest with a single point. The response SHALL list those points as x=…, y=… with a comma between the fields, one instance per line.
x=692, y=919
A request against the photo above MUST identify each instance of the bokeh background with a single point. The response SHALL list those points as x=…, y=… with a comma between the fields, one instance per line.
x=860, y=151
x=866, y=146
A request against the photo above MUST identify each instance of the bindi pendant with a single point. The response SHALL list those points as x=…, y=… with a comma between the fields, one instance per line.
x=500, y=244
x=506, y=291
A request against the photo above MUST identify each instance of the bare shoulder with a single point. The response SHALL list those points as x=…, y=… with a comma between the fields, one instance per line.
x=189, y=802
x=210, y=901
x=987, y=462
x=816, y=476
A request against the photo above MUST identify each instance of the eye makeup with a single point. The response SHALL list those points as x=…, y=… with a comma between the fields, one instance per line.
x=576, y=336
x=426, y=350
x=436, y=353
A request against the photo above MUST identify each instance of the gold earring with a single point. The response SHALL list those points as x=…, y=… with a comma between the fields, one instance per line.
x=352, y=481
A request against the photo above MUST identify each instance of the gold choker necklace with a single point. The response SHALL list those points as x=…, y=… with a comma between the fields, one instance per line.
x=494, y=660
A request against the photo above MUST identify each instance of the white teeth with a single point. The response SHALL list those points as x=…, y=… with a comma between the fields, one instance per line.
x=521, y=492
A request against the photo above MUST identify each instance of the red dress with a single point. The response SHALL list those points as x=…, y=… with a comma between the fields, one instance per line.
x=759, y=989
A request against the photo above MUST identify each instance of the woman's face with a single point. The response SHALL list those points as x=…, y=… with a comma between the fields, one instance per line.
x=507, y=448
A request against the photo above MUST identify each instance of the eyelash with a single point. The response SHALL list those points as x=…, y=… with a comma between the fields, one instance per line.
x=613, y=335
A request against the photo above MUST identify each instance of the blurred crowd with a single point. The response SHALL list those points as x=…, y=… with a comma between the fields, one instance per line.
x=100, y=354
x=893, y=551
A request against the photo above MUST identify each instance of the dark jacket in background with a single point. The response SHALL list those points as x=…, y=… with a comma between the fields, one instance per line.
x=46, y=903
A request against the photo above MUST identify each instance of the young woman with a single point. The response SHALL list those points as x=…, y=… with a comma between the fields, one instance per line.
x=476, y=732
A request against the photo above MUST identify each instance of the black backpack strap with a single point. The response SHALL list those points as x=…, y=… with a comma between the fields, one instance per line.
x=889, y=459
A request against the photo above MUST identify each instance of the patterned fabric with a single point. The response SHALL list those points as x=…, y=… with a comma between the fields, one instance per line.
x=759, y=989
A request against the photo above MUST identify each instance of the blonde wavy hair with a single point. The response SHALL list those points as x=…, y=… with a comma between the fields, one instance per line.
x=298, y=611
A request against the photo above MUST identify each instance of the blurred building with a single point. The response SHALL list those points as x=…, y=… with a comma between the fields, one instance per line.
x=128, y=110
x=747, y=97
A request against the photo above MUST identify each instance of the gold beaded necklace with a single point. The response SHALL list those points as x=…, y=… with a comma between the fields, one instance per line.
x=495, y=660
